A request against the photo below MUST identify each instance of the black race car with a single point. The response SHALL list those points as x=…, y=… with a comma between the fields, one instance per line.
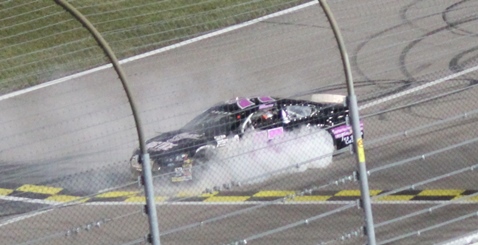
x=175, y=153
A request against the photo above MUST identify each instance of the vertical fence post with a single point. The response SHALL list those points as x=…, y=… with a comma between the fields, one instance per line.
x=354, y=116
x=153, y=237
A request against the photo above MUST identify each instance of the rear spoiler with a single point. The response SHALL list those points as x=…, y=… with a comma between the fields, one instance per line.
x=328, y=98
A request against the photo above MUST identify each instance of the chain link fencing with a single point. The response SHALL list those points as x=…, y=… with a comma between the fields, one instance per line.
x=66, y=143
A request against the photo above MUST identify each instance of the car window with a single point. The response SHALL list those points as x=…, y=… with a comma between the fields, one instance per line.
x=265, y=118
x=208, y=119
x=298, y=111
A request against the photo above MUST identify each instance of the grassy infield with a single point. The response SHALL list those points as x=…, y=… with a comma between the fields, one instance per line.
x=39, y=41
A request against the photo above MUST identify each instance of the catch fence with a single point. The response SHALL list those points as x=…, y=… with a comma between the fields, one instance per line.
x=68, y=133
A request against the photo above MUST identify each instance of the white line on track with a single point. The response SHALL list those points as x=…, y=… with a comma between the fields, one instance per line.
x=161, y=50
x=29, y=215
x=202, y=203
x=184, y=43
x=203, y=37
x=469, y=239
x=28, y=200
x=412, y=90
x=22, y=217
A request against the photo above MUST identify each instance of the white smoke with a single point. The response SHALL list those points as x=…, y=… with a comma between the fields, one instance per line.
x=253, y=158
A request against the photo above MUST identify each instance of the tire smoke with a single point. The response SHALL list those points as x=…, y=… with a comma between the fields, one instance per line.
x=253, y=158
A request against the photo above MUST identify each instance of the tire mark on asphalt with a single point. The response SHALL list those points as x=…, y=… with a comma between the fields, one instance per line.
x=411, y=110
x=411, y=45
x=402, y=59
x=405, y=84
x=342, y=86
x=453, y=65
x=456, y=66
x=359, y=48
x=403, y=16
x=452, y=27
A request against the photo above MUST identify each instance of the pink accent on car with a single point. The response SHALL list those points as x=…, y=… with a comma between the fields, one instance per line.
x=264, y=99
x=272, y=133
x=344, y=130
x=244, y=103
x=265, y=106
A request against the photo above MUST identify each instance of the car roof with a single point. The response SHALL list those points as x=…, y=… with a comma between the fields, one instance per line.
x=239, y=104
x=242, y=103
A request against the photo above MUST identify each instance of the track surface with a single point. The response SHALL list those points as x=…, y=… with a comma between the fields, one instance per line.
x=54, y=136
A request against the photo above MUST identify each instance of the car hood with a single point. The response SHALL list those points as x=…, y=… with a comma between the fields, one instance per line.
x=175, y=141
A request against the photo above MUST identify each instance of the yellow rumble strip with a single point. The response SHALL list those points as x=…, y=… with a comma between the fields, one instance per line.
x=57, y=194
x=39, y=189
x=227, y=199
x=356, y=193
x=274, y=193
x=395, y=198
x=66, y=198
x=441, y=192
x=310, y=198
x=142, y=199
x=5, y=192
x=113, y=194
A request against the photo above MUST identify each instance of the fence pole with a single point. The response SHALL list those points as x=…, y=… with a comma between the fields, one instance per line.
x=153, y=237
x=354, y=116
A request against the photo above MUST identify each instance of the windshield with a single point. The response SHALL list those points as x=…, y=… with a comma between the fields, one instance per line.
x=208, y=118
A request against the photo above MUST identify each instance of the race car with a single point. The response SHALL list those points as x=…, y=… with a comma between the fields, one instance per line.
x=174, y=154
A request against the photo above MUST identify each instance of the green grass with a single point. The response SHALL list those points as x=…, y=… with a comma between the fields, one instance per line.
x=40, y=41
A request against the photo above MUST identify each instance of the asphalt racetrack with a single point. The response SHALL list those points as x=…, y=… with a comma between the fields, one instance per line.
x=75, y=138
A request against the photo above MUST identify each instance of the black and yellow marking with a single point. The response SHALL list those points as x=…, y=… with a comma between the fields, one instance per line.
x=60, y=195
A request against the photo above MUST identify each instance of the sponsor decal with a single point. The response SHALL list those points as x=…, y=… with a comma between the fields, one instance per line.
x=183, y=173
x=160, y=146
x=184, y=136
x=168, y=144
x=221, y=140
x=348, y=139
x=265, y=106
x=344, y=130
